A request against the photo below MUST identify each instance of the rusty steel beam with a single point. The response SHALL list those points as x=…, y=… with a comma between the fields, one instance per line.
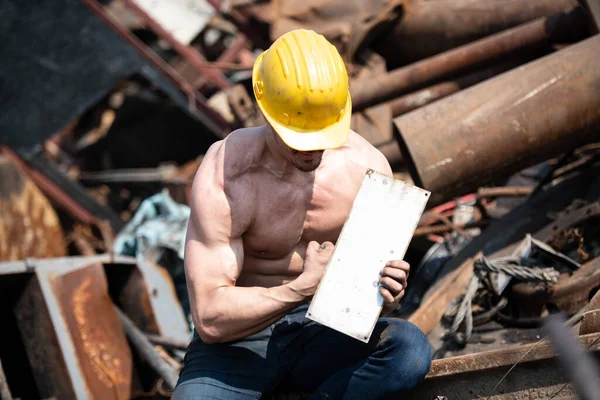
x=192, y=55
x=198, y=105
x=431, y=27
x=507, y=123
x=475, y=376
x=542, y=31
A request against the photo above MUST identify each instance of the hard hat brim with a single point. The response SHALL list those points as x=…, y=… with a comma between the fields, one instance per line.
x=331, y=137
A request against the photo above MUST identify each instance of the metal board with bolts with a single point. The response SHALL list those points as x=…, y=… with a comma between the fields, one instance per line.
x=379, y=228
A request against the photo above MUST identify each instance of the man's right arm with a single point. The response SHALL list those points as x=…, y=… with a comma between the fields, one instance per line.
x=214, y=257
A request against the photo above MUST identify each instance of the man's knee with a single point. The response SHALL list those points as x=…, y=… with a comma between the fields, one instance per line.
x=409, y=353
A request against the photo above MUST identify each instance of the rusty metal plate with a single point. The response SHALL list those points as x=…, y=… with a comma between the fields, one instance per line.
x=29, y=226
x=100, y=345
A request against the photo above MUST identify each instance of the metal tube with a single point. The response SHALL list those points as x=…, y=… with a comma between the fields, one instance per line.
x=167, y=342
x=369, y=92
x=412, y=101
x=144, y=347
x=527, y=115
x=431, y=27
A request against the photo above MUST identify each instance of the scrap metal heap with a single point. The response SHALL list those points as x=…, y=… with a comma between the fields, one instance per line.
x=492, y=105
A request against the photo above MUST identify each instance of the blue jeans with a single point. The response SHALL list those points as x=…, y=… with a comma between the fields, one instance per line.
x=300, y=355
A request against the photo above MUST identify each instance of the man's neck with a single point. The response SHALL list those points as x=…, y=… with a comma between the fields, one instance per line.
x=277, y=163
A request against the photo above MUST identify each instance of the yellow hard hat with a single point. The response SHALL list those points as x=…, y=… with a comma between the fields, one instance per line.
x=301, y=87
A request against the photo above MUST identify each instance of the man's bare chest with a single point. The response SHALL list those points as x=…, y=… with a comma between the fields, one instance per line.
x=288, y=219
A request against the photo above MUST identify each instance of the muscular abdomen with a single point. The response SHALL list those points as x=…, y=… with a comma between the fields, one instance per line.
x=262, y=270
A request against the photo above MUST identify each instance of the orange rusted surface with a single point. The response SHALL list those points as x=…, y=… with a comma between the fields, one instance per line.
x=29, y=226
x=100, y=344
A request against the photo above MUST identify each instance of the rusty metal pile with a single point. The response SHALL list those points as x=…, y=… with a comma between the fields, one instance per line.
x=492, y=105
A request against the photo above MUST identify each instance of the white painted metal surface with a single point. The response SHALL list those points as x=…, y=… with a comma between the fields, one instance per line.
x=184, y=19
x=379, y=228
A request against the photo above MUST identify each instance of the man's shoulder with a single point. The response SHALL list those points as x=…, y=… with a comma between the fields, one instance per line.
x=231, y=157
x=360, y=151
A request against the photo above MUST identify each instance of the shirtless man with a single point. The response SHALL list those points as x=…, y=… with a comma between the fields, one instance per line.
x=267, y=205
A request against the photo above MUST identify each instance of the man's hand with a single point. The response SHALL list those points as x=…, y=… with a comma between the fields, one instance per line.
x=393, y=283
x=315, y=262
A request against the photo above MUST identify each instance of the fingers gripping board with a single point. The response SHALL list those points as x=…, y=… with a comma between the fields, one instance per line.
x=380, y=226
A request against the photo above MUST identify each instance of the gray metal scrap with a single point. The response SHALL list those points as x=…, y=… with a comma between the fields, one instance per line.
x=512, y=121
x=433, y=26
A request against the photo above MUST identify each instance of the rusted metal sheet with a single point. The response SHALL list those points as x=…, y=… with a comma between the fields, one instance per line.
x=536, y=33
x=69, y=329
x=100, y=347
x=537, y=374
x=427, y=316
x=532, y=113
x=350, y=25
x=433, y=26
x=29, y=226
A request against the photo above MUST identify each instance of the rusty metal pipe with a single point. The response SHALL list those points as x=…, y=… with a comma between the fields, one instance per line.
x=143, y=345
x=512, y=121
x=369, y=92
x=505, y=191
x=412, y=101
x=431, y=27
